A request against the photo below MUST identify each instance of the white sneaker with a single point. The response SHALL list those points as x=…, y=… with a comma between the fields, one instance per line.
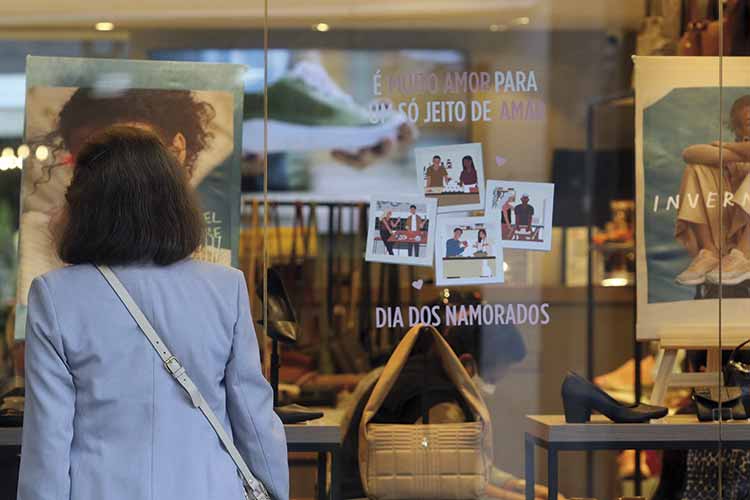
x=735, y=268
x=309, y=111
x=695, y=274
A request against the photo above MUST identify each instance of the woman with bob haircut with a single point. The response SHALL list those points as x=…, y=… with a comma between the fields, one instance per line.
x=103, y=418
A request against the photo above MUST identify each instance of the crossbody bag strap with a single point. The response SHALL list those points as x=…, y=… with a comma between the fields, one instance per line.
x=173, y=366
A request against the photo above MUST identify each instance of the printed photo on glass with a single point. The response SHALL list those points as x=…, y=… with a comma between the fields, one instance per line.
x=525, y=211
x=401, y=230
x=453, y=175
x=468, y=251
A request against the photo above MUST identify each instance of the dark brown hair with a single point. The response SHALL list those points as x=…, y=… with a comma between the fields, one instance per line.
x=167, y=111
x=471, y=160
x=129, y=201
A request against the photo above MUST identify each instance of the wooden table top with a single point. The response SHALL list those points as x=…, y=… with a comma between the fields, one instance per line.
x=326, y=430
x=553, y=429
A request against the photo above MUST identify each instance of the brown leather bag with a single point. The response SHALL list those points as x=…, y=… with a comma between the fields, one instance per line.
x=436, y=461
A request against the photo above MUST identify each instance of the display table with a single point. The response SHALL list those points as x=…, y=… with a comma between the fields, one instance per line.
x=676, y=432
x=323, y=436
x=402, y=239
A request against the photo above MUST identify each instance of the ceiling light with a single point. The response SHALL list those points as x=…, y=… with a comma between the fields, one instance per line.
x=8, y=152
x=498, y=27
x=505, y=267
x=322, y=27
x=104, y=26
x=521, y=21
x=23, y=151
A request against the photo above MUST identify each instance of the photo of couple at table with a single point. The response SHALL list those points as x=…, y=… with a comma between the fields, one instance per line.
x=469, y=251
x=525, y=210
x=401, y=230
x=452, y=175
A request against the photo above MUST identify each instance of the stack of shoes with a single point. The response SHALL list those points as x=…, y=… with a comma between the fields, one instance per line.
x=283, y=327
x=581, y=397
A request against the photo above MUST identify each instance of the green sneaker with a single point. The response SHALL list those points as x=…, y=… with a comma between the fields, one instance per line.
x=309, y=111
x=307, y=95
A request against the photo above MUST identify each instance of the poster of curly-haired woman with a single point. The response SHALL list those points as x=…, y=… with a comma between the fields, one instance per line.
x=693, y=197
x=194, y=107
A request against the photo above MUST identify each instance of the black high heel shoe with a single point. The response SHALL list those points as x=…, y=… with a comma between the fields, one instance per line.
x=282, y=322
x=282, y=327
x=580, y=397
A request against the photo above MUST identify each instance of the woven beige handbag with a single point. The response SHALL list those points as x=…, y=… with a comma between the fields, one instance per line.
x=435, y=461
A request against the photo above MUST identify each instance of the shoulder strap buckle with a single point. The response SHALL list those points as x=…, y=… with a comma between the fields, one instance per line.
x=172, y=365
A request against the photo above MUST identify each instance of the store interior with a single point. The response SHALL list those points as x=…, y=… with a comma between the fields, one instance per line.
x=307, y=187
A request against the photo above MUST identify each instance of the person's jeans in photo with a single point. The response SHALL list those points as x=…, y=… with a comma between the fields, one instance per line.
x=384, y=235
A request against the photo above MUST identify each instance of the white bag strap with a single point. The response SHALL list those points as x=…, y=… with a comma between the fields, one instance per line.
x=178, y=372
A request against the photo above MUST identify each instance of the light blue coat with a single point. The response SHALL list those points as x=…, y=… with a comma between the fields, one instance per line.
x=104, y=420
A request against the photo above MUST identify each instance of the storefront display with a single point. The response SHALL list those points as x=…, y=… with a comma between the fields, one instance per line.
x=469, y=231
